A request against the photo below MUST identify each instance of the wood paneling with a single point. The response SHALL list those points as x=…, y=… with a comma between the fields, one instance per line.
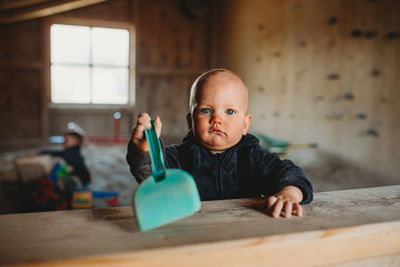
x=20, y=42
x=24, y=78
x=168, y=39
x=168, y=98
x=21, y=81
x=93, y=121
x=21, y=103
x=172, y=49
x=320, y=72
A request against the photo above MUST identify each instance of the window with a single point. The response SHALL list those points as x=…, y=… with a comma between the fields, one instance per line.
x=89, y=65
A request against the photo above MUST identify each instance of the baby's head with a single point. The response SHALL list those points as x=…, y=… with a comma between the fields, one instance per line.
x=72, y=139
x=218, y=110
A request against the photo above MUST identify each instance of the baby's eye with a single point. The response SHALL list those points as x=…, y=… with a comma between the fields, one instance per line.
x=230, y=111
x=205, y=110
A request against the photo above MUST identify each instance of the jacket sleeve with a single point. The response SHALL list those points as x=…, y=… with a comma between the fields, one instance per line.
x=281, y=173
x=139, y=162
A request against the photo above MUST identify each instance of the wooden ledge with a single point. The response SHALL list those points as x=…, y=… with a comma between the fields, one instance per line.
x=338, y=227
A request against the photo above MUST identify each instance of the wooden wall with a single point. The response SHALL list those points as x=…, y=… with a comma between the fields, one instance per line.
x=172, y=48
x=320, y=71
x=21, y=68
x=98, y=120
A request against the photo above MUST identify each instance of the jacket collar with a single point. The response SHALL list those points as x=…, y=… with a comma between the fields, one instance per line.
x=248, y=139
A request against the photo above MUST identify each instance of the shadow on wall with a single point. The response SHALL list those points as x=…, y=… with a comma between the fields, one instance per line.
x=329, y=172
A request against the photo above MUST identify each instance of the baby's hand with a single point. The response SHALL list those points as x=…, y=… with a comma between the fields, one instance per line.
x=138, y=134
x=287, y=201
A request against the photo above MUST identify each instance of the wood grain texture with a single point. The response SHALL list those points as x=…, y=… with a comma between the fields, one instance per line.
x=172, y=50
x=319, y=72
x=337, y=227
x=45, y=9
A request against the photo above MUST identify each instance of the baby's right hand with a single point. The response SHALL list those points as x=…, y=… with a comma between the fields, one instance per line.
x=138, y=135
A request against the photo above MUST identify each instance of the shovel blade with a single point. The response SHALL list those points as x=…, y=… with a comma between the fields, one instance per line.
x=158, y=203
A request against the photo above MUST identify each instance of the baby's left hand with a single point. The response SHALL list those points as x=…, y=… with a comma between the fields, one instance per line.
x=287, y=201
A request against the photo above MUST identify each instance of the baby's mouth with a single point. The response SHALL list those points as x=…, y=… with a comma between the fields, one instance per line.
x=215, y=130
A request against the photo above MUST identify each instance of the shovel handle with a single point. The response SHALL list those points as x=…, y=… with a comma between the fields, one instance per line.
x=157, y=159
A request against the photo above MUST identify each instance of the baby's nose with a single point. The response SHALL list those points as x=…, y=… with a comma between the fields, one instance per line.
x=216, y=119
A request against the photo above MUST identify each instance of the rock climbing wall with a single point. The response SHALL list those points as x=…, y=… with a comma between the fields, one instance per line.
x=319, y=71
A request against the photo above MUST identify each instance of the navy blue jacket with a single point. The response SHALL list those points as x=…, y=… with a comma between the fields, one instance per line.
x=244, y=170
x=74, y=158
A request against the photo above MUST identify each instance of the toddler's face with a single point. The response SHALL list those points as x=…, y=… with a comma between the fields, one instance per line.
x=69, y=141
x=220, y=118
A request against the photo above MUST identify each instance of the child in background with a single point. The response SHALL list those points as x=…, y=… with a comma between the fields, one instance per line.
x=73, y=157
x=225, y=161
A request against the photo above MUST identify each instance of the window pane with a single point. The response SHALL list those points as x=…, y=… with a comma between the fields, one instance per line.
x=110, y=85
x=110, y=46
x=70, y=44
x=70, y=84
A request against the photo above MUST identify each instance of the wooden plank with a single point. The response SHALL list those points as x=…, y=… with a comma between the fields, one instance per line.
x=46, y=78
x=337, y=227
x=51, y=8
x=314, y=248
x=12, y=4
x=21, y=64
x=20, y=119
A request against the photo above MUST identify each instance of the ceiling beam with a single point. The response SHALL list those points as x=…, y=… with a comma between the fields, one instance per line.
x=47, y=9
x=6, y=5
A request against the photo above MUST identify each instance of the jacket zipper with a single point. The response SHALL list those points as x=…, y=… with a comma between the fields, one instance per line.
x=219, y=176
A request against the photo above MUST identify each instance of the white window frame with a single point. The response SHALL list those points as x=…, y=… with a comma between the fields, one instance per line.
x=90, y=23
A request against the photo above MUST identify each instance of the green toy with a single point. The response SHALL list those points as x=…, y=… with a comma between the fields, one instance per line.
x=166, y=195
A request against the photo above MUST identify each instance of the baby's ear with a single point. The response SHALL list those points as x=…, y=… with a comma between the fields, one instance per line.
x=247, y=120
x=189, y=120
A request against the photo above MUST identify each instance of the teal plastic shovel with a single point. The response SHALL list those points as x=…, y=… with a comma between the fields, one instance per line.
x=167, y=194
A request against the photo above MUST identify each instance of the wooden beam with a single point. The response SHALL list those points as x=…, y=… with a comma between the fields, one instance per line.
x=314, y=248
x=13, y=4
x=338, y=227
x=20, y=64
x=47, y=9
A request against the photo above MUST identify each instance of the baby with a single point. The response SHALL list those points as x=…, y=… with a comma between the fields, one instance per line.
x=225, y=161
